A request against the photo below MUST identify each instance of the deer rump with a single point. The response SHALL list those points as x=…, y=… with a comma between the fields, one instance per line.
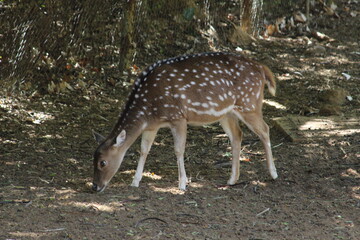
x=193, y=89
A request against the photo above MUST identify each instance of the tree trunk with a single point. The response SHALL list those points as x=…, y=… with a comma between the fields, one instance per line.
x=127, y=47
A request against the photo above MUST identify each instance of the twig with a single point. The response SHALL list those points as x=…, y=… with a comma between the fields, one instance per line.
x=150, y=218
x=261, y=213
x=199, y=178
x=278, y=145
x=54, y=230
x=15, y=201
x=194, y=217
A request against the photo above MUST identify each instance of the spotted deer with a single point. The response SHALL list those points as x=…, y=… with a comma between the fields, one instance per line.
x=194, y=89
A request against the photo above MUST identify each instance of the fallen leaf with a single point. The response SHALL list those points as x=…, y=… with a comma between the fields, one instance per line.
x=347, y=76
x=246, y=160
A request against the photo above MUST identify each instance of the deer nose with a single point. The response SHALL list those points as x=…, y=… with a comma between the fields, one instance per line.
x=94, y=187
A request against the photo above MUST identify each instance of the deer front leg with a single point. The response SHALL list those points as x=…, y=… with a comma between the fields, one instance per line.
x=231, y=127
x=146, y=143
x=178, y=130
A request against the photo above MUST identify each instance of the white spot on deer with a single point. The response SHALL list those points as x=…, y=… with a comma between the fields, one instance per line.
x=186, y=70
x=196, y=104
x=183, y=96
x=136, y=95
x=258, y=94
x=238, y=74
x=213, y=104
x=192, y=83
x=206, y=69
x=209, y=98
x=176, y=95
x=194, y=71
x=212, y=111
x=204, y=105
x=221, y=98
x=172, y=74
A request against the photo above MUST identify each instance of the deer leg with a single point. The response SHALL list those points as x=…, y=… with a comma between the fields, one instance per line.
x=232, y=129
x=178, y=130
x=147, y=140
x=256, y=123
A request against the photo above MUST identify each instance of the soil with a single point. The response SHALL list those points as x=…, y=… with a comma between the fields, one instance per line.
x=46, y=161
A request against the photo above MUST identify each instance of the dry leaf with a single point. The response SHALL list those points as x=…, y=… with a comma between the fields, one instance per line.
x=51, y=87
x=299, y=17
x=270, y=30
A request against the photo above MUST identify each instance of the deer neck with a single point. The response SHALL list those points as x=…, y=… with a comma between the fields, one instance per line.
x=133, y=126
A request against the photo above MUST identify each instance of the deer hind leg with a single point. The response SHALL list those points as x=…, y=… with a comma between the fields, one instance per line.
x=147, y=140
x=256, y=123
x=178, y=131
x=230, y=124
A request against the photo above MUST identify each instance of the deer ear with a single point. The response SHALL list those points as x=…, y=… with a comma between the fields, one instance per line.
x=98, y=137
x=120, y=139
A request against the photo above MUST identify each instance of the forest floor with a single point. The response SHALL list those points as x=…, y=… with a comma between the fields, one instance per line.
x=46, y=166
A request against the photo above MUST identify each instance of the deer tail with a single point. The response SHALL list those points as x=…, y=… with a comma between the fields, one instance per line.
x=270, y=80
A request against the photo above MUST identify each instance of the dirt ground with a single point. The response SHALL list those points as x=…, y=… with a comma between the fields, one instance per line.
x=46, y=161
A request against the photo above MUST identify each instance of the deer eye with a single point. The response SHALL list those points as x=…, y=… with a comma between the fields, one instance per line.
x=103, y=163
